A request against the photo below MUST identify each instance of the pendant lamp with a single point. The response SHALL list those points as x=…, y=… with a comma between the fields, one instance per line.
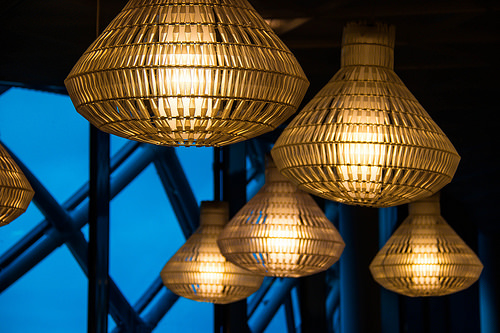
x=15, y=190
x=186, y=72
x=364, y=139
x=198, y=270
x=424, y=256
x=281, y=232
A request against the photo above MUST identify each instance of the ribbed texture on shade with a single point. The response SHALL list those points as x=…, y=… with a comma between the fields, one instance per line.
x=15, y=190
x=198, y=270
x=204, y=73
x=281, y=232
x=425, y=257
x=364, y=139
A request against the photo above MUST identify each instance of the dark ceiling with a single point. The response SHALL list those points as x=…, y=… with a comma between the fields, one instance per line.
x=446, y=53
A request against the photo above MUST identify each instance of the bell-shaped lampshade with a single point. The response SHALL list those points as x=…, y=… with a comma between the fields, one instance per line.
x=281, y=232
x=182, y=73
x=15, y=190
x=364, y=139
x=424, y=256
x=198, y=270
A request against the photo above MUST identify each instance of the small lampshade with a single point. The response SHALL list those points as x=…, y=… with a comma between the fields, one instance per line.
x=198, y=270
x=281, y=232
x=364, y=139
x=424, y=256
x=186, y=72
x=15, y=190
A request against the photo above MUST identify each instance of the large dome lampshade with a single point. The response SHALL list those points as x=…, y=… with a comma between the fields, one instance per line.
x=281, y=232
x=198, y=270
x=187, y=73
x=364, y=139
x=424, y=256
x=15, y=190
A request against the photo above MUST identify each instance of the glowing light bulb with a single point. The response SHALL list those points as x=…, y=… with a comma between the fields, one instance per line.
x=281, y=232
x=198, y=270
x=424, y=256
x=364, y=139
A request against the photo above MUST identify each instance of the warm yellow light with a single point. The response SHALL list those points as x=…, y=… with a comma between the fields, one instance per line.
x=198, y=270
x=281, y=232
x=364, y=139
x=15, y=190
x=424, y=256
x=183, y=73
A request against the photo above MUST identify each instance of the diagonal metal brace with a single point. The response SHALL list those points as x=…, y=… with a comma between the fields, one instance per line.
x=120, y=309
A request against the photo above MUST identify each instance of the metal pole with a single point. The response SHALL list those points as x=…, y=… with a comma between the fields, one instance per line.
x=489, y=289
x=389, y=301
x=99, y=196
x=359, y=293
x=312, y=300
x=232, y=318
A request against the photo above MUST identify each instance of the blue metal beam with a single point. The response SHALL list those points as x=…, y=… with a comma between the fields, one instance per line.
x=120, y=309
x=230, y=318
x=53, y=239
x=255, y=299
x=333, y=301
x=74, y=201
x=389, y=301
x=177, y=188
x=358, y=290
x=98, y=246
x=290, y=318
x=186, y=210
x=268, y=307
x=489, y=289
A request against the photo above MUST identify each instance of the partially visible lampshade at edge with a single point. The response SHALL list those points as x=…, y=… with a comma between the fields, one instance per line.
x=281, y=232
x=198, y=270
x=183, y=73
x=364, y=139
x=424, y=256
x=15, y=190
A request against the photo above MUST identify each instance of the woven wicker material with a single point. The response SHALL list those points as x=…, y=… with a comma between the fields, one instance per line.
x=425, y=257
x=185, y=72
x=364, y=139
x=15, y=190
x=198, y=270
x=281, y=232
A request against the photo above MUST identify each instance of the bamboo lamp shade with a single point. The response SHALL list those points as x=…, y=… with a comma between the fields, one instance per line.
x=15, y=190
x=281, y=232
x=364, y=139
x=187, y=73
x=198, y=270
x=424, y=256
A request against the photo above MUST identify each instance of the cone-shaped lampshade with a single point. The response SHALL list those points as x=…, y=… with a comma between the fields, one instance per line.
x=15, y=190
x=281, y=232
x=425, y=257
x=364, y=139
x=185, y=72
x=198, y=271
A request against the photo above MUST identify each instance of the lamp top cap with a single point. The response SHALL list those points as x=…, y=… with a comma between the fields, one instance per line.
x=426, y=206
x=361, y=32
x=214, y=213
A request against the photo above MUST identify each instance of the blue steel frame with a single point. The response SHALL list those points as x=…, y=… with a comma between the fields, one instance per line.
x=63, y=223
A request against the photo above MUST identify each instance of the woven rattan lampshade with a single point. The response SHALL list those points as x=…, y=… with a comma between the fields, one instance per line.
x=281, y=232
x=424, y=256
x=364, y=139
x=15, y=190
x=198, y=271
x=186, y=72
